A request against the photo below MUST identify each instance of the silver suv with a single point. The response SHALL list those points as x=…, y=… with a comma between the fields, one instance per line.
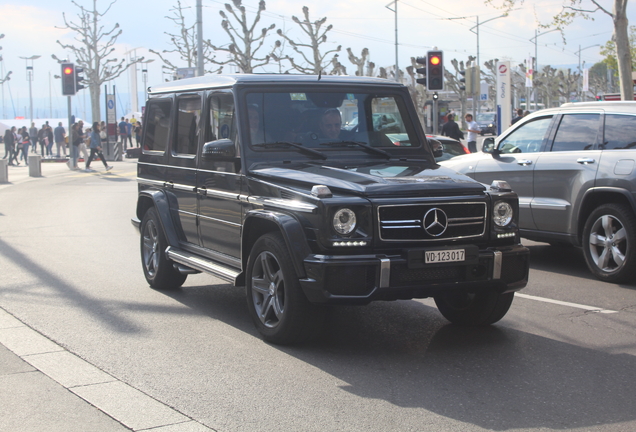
x=573, y=169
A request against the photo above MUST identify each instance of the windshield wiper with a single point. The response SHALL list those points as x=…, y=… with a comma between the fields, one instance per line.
x=359, y=144
x=292, y=144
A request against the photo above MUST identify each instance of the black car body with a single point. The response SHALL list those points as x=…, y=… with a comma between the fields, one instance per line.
x=487, y=123
x=238, y=178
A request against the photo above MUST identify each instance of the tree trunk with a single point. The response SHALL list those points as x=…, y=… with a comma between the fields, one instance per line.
x=623, y=52
x=96, y=106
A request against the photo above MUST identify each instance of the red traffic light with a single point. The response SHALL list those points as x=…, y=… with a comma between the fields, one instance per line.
x=435, y=60
x=68, y=70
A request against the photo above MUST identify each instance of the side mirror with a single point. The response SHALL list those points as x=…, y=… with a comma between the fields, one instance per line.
x=222, y=149
x=488, y=145
x=438, y=149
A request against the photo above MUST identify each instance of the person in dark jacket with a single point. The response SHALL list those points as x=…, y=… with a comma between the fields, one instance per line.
x=10, y=139
x=451, y=129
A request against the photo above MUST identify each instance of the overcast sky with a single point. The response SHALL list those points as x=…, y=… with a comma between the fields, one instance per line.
x=32, y=27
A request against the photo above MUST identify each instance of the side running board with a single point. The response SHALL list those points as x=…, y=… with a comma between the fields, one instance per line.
x=203, y=265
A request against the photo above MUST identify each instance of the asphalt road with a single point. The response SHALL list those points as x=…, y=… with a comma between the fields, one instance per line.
x=562, y=359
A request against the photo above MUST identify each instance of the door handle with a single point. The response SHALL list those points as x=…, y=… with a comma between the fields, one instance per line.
x=585, y=161
x=525, y=162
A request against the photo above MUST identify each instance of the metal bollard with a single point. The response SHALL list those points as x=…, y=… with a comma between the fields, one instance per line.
x=4, y=171
x=35, y=166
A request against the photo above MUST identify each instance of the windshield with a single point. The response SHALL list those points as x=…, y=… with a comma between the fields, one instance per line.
x=319, y=120
x=486, y=117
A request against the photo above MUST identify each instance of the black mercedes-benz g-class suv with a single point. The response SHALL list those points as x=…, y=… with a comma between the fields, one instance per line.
x=253, y=179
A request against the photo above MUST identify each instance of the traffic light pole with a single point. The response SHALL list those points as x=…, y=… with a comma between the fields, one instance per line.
x=72, y=155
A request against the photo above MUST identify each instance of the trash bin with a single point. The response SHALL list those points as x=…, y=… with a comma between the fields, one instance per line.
x=35, y=166
x=4, y=171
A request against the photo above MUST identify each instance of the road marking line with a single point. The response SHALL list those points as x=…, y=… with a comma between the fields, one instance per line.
x=562, y=303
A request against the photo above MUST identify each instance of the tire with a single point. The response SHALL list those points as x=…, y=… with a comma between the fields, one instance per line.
x=479, y=308
x=158, y=269
x=276, y=303
x=608, y=243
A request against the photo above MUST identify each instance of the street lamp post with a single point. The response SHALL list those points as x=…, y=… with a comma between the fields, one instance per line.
x=144, y=76
x=536, y=60
x=580, y=71
x=475, y=29
x=397, y=67
x=29, y=70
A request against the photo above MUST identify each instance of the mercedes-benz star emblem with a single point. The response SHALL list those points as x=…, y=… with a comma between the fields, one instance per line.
x=435, y=222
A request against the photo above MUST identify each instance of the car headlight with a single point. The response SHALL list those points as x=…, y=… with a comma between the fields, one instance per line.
x=502, y=213
x=344, y=221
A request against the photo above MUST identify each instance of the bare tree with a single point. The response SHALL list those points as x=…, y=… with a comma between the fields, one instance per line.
x=96, y=45
x=489, y=75
x=7, y=77
x=547, y=83
x=184, y=44
x=568, y=83
x=245, y=43
x=315, y=62
x=359, y=62
x=453, y=84
x=572, y=9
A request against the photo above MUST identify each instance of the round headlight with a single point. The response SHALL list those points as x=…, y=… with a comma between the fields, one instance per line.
x=502, y=213
x=344, y=221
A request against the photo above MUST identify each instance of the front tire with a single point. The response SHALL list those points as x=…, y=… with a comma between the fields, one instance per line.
x=158, y=269
x=276, y=303
x=608, y=243
x=478, y=308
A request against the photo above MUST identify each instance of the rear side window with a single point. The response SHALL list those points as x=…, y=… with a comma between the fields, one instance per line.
x=188, y=119
x=620, y=132
x=577, y=132
x=158, y=125
x=222, y=123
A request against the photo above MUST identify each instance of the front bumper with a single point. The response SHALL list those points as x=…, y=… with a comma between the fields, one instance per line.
x=360, y=279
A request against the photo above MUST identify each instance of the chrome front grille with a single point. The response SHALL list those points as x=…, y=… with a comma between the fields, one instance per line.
x=407, y=222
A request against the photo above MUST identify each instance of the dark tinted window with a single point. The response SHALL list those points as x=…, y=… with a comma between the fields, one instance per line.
x=188, y=118
x=620, y=132
x=576, y=132
x=526, y=139
x=222, y=124
x=158, y=125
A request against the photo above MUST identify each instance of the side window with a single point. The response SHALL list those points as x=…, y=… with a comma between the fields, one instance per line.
x=158, y=127
x=576, y=132
x=386, y=115
x=188, y=122
x=620, y=132
x=526, y=139
x=222, y=124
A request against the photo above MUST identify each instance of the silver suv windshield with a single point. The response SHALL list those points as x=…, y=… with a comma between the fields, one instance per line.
x=319, y=120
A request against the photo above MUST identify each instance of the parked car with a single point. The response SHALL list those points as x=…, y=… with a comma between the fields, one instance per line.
x=487, y=123
x=574, y=170
x=250, y=178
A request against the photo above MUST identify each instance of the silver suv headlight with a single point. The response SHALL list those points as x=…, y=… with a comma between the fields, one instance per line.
x=344, y=221
x=502, y=213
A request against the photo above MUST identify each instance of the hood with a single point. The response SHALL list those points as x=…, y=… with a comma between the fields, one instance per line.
x=384, y=179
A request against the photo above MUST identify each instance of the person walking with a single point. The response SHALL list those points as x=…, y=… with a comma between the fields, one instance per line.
x=138, y=130
x=129, y=132
x=33, y=133
x=123, y=132
x=49, y=139
x=96, y=148
x=25, y=143
x=9, y=145
x=42, y=139
x=451, y=129
x=473, y=130
x=60, y=135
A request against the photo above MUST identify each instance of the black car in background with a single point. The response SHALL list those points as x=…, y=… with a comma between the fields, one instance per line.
x=487, y=123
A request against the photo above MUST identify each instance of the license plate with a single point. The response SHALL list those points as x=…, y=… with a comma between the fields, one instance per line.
x=442, y=256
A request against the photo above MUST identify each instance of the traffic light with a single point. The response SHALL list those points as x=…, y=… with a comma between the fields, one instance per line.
x=68, y=79
x=435, y=70
x=462, y=80
x=79, y=79
x=421, y=71
x=470, y=79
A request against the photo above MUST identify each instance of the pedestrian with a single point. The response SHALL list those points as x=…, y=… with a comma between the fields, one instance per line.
x=42, y=140
x=123, y=132
x=60, y=136
x=103, y=136
x=33, y=133
x=49, y=140
x=86, y=138
x=9, y=145
x=519, y=116
x=473, y=129
x=138, y=130
x=96, y=148
x=25, y=143
x=451, y=129
x=129, y=132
